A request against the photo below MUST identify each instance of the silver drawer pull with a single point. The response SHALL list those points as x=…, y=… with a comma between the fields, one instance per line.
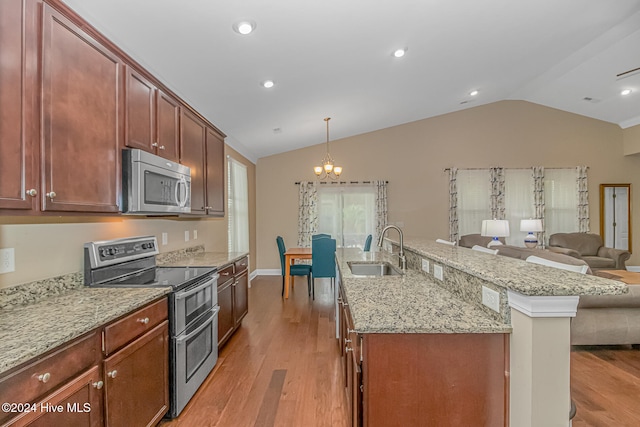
x=112, y=374
x=33, y=192
x=51, y=194
x=161, y=147
x=154, y=144
x=346, y=341
x=348, y=349
x=98, y=385
x=43, y=378
x=225, y=274
x=143, y=321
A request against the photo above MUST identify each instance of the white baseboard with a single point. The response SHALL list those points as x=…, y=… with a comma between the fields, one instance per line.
x=634, y=268
x=268, y=272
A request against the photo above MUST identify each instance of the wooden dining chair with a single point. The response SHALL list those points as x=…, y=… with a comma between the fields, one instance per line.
x=295, y=269
x=323, y=261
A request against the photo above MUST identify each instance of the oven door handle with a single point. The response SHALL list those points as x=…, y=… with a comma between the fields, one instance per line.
x=181, y=340
x=182, y=295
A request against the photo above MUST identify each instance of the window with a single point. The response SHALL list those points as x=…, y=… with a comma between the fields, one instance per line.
x=560, y=201
x=518, y=202
x=238, y=203
x=474, y=192
x=347, y=213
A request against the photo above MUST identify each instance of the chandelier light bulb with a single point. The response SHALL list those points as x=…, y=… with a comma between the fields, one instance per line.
x=328, y=169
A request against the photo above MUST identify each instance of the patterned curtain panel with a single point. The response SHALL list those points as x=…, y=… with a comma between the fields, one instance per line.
x=381, y=207
x=497, y=193
x=538, y=198
x=583, y=199
x=453, y=205
x=307, y=212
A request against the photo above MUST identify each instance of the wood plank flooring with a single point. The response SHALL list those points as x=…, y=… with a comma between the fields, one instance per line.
x=605, y=385
x=282, y=368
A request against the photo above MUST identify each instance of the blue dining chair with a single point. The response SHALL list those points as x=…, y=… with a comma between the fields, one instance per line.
x=323, y=261
x=367, y=243
x=320, y=236
x=296, y=269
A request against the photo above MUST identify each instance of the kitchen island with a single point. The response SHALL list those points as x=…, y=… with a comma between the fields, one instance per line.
x=435, y=313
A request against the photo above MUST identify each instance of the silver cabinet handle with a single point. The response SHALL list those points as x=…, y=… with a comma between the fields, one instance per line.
x=33, y=192
x=51, y=194
x=143, y=321
x=43, y=378
x=161, y=147
x=346, y=341
x=154, y=144
x=351, y=331
x=98, y=385
x=208, y=207
x=348, y=349
x=112, y=374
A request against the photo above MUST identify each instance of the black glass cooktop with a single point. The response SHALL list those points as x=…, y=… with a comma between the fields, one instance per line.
x=176, y=277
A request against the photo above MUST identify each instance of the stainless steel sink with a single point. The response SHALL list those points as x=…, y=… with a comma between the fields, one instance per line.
x=373, y=269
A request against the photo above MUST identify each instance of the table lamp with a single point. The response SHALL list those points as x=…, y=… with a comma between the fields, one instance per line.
x=495, y=228
x=531, y=226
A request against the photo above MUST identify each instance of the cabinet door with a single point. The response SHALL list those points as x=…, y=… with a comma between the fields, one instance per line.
x=81, y=133
x=18, y=124
x=137, y=381
x=241, y=297
x=80, y=400
x=139, y=114
x=167, y=126
x=192, y=154
x=226, y=321
x=215, y=174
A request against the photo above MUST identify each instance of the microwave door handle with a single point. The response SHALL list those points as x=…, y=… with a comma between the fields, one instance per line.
x=181, y=183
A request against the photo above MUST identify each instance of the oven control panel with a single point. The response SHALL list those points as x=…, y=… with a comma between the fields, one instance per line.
x=108, y=252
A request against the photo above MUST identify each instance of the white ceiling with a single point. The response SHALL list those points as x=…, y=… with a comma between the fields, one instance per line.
x=334, y=58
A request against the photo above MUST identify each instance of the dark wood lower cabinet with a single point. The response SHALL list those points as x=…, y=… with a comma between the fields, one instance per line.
x=241, y=297
x=136, y=381
x=233, y=298
x=226, y=322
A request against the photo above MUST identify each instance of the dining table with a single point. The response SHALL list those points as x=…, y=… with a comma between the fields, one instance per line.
x=290, y=256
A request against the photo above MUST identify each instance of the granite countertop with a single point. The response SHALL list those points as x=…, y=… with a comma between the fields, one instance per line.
x=515, y=274
x=27, y=331
x=410, y=303
x=199, y=258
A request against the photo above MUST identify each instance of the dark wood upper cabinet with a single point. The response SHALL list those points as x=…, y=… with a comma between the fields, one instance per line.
x=81, y=133
x=192, y=154
x=215, y=173
x=18, y=120
x=151, y=116
x=167, y=126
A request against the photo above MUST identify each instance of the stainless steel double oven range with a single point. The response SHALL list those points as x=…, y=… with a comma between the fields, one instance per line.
x=193, y=306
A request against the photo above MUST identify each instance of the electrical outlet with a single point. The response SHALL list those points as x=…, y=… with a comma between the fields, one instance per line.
x=165, y=238
x=195, y=234
x=425, y=265
x=186, y=235
x=437, y=271
x=7, y=260
x=491, y=299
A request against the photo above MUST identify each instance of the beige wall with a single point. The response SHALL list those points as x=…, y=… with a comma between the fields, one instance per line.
x=51, y=246
x=631, y=138
x=413, y=156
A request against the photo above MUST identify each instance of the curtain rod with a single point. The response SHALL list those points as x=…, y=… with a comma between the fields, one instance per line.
x=343, y=182
x=478, y=169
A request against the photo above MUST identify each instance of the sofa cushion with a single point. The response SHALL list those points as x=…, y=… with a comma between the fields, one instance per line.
x=599, y=262
x=524, y=253
x=584, y=243
x=629, y=300
x=470, y=240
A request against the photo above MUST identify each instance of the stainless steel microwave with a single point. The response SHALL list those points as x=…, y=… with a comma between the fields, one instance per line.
x=152, y=185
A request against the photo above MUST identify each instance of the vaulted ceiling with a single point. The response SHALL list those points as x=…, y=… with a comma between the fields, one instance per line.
x=334, y=58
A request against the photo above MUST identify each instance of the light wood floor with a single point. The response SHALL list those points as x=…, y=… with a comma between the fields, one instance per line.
x=605, y=385
x=282, y=368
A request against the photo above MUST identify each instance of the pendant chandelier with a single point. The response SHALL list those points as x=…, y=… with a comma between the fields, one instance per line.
x=328, y=169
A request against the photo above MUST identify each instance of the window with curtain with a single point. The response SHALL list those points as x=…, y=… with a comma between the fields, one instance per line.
x=347, y=213
x=560, y=200
x=474, y=193
x=518, y=201
x=238, y=206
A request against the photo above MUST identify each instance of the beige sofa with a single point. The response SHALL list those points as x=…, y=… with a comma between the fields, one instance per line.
x=600, y=319
x=589, y=247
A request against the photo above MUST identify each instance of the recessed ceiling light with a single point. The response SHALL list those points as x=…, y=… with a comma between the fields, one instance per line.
x=268, y=84
x=473, y=93
x=244, y=27
x=399, y=53
x=625, y=92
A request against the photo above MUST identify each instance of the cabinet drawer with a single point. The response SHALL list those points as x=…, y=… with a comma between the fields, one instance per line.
x=242, y=265
x=122, y=331
x=38, y=378
x=225, y=273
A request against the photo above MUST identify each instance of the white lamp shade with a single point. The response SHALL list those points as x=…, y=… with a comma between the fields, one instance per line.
x=532, y=225
x=495, y=228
